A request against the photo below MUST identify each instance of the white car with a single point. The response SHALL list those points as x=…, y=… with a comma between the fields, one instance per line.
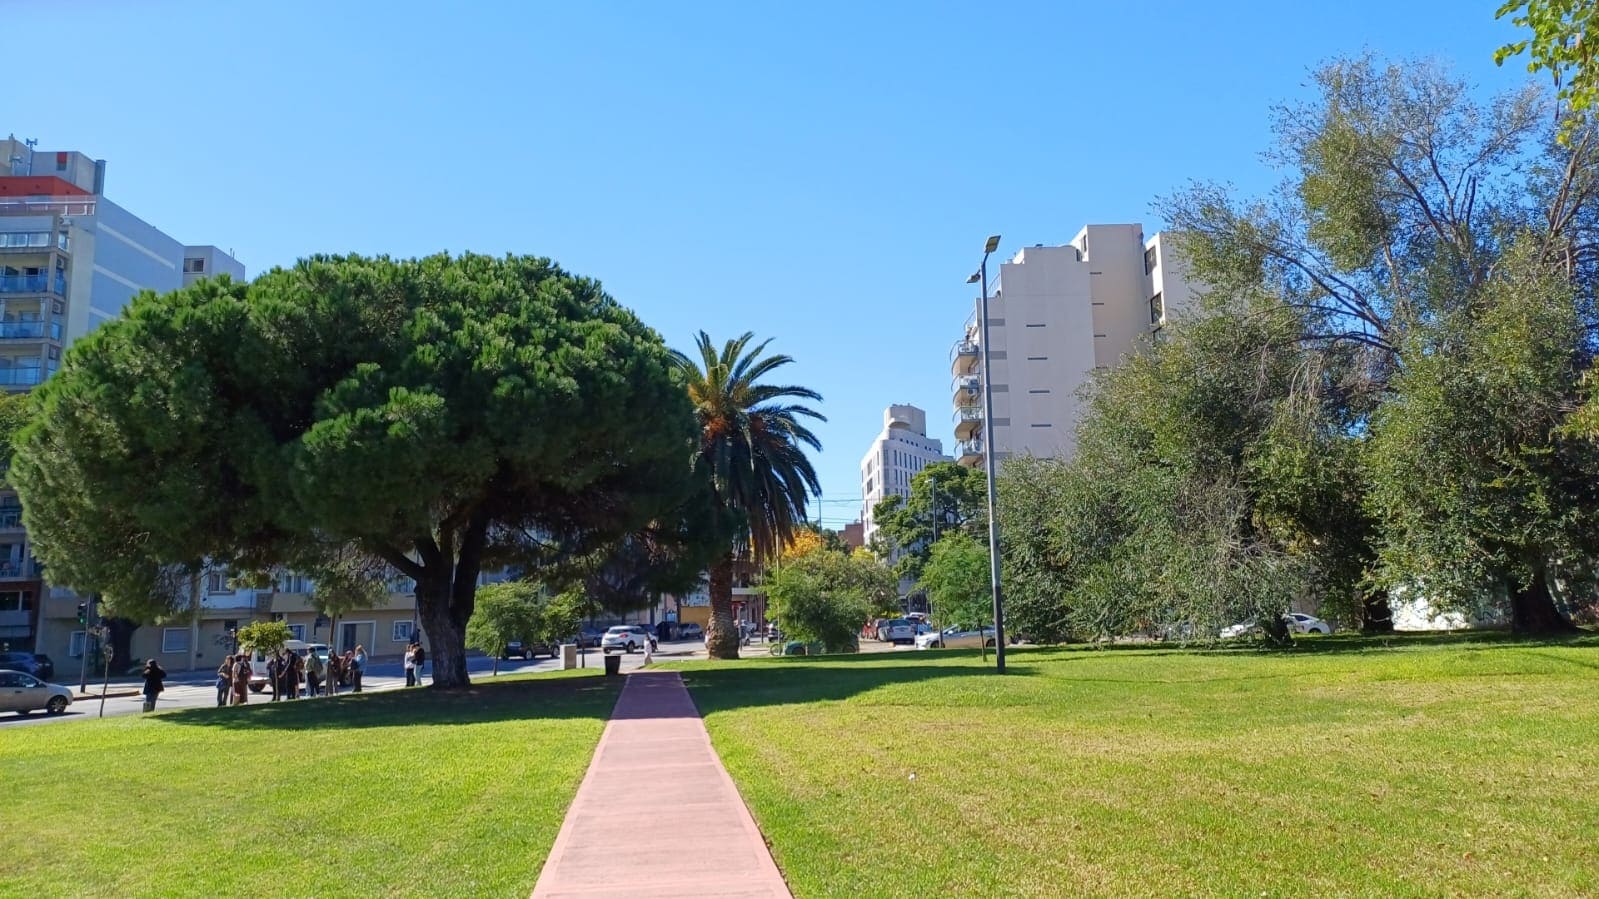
x=1298, y=622
x=898, y=630
x=22, y=693
x=956, y=637
x=627, y=638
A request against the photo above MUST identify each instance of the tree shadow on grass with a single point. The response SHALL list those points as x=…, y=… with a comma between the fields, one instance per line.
x=561, y=698
x=718, y=688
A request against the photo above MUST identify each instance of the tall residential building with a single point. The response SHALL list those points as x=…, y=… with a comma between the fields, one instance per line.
x=900, y=451
x=69, y=260
x=1054, y=315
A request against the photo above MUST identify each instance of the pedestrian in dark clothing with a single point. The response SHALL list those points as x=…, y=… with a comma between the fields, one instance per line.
x=274, y=674
x=357, y=667
x=224, y=681
x=153, y=675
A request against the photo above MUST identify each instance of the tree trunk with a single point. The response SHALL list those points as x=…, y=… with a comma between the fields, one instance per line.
x=446, y=629
x=721, y=636
x=120, y=631
x=1376, y=615
x=1533, y=610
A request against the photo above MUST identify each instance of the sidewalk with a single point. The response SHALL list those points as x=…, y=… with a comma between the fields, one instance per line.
x=655, y=753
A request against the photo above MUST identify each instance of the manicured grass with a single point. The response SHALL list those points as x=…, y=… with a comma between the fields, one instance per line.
x=385, y=794
x=1412, y=766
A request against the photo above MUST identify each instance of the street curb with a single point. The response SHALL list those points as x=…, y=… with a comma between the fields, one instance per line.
x=79, y=696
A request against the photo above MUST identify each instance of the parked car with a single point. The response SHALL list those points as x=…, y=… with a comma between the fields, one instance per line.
x=957, y=637
x=34, y=663
x=1298, y=622
x=689, y=630
x=530, y=649
x=773, y=633
x=627, y=638
x=898, y=630
x=22, y=693
x=260, y=674
x=589, y=636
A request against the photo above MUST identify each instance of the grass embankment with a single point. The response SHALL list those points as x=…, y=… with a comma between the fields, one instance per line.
x=385, y=794
x=1347, y=767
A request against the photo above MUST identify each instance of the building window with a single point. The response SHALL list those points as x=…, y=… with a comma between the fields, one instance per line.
x=297, y=631
x=1045, y=390
x=16, y=601
x=1157, y=309
x=1044, y=425
x=194, y=266
x=402, y=631
x=1151, y=259
x=75, y=645
x=217, y=582
x=174, y=640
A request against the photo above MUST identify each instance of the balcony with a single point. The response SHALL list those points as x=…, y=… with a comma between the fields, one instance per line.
x=967, y=388
x=969, y=452
x=968, y=421
x=56, y=285
x=964, y=356
x=30, y=330
x=25, y=570
x=21, y=377
x=10, y=518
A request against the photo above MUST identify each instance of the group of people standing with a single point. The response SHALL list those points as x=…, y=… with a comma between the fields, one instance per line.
x=288, y=671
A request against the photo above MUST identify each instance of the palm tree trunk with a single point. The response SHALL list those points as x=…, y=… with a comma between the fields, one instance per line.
x=722, y=637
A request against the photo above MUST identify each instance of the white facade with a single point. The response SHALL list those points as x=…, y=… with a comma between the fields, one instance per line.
x=900, y=451
x=1056, y=314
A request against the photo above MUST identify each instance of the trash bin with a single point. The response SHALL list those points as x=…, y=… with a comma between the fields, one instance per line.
x=568, y=656
x=613, y=664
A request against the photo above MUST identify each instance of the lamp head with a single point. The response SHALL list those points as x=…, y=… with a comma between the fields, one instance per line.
x=992, y=245
x=972, y=278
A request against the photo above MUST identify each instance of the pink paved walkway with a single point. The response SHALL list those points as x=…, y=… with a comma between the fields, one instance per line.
x=656, y=814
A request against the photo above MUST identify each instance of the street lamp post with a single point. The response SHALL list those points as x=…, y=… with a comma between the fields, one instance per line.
x=981, y=277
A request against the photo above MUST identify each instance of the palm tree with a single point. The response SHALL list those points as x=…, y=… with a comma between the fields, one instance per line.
x=752, y=450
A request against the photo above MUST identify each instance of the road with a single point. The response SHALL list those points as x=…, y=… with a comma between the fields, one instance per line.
x=194, y=690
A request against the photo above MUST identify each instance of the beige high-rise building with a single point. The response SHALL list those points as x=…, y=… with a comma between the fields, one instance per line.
x=1054, y=315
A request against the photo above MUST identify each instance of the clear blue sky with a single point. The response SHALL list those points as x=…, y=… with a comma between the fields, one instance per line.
x=821, y=173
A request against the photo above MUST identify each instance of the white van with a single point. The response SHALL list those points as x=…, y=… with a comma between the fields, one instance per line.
x=259, y=675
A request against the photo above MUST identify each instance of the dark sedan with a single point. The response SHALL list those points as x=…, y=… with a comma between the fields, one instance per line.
x=36, y=664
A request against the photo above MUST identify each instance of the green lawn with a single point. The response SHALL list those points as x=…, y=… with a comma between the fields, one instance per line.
x=1419, y=766
x=385, y=794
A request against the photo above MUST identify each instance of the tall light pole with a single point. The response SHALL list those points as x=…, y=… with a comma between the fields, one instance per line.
x=981, y=277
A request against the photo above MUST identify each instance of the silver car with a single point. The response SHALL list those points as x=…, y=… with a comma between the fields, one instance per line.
x=23, y=693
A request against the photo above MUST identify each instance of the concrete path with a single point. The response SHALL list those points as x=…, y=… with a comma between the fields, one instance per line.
x=654, y=753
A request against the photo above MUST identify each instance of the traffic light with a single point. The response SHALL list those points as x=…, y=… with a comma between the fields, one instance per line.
x=83, y=613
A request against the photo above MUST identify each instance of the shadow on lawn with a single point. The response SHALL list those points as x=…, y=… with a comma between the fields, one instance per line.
x=574, y=697
x=821, y=679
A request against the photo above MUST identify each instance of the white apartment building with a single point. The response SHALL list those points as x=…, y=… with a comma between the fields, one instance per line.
x=70, y=260
x=900, y=450
x=1054, y=315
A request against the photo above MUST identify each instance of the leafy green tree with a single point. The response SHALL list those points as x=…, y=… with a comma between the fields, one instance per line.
x=1170, y=517
x=443, y=415
x=505, y=612
x=957, y=580
x=1482, y=493
x=561, y=617
x=1561, y=44
x=1401, y=189
x=264, y=636
x=945, y=496
x=16, y=410
x=751, y=451
x=825, y=596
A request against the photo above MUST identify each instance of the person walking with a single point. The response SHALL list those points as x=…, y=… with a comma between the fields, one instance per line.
x=224, y=681
x=421, y=657
x=273, y=672
x=241, y=679
x=291, y=674
x=358, y=667
x=410, y=664
x=153, y=675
